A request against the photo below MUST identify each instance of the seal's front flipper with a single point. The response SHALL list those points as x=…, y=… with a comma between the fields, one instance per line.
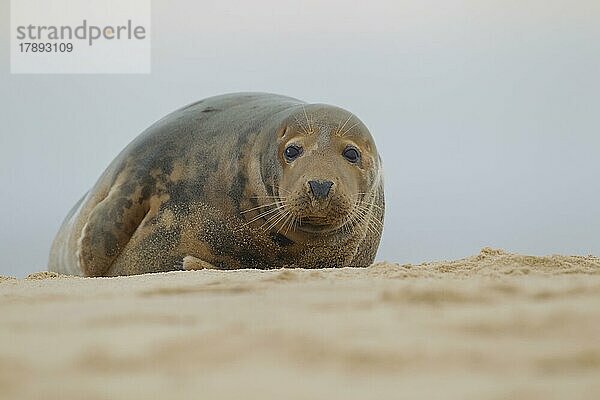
x=191, y=263
x=108, y=230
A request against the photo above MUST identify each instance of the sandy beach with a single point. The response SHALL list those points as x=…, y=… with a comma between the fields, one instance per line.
x=492, y=326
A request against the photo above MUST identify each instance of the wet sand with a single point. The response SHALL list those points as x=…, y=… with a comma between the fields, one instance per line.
x=492, y=326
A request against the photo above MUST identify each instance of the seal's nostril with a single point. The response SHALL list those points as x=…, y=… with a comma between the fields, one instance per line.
x=320, y=189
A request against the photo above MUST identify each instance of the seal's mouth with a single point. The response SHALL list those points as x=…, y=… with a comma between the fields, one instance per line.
x=313, y=228
x=304, y=213
x=320, y=216
x=316, y=224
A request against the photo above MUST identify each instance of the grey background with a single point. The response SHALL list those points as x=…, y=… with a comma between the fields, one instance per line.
x=486, y=114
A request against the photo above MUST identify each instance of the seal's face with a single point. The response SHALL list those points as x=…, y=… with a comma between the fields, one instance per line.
x=327, y=167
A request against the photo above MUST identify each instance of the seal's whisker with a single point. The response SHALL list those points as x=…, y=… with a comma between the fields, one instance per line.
x=365, y=219
x=273, y=220
x=268, y=221
x=348, y=130
x=357, y=220
x=276, y=202
x=352, y=221
x=372, y=204
x=288, y=223
x=292, y=224
x=379, y=229
x=262, y=215
x=354, y=213
x=367, y=224
x=288, y=219
x=310, y=129
x=279, y=188
x=367, y=208
x=342, y=127
x=347, y=224
x=374, y=228
x=377, y=222
x=301, y=125
x=284, y=221
x=263, y=206
x=367, y=204
x=378, y=208
x=277, y=220
x=297, y=222
x=353, y=217
x=373, y=224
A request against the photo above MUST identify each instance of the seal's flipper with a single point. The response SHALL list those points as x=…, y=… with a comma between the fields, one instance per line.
x=110, y=225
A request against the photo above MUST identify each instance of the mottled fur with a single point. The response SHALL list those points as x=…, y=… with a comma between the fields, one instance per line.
x=209, y=182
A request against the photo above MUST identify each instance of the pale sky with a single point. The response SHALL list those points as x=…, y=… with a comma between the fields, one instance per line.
x=486, y=113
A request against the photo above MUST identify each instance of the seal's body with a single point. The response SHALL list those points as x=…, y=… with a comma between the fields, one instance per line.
x=247, y=180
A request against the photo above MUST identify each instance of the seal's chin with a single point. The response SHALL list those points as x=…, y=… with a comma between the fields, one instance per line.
x=316, y=224
x=314, y=228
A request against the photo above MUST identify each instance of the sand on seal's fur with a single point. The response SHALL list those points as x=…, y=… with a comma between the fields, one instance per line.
x=492, y=326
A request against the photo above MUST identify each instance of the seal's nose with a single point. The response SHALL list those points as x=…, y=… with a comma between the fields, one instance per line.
x=320, y=189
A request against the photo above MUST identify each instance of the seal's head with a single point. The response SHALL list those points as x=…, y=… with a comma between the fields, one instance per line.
x=324, y=167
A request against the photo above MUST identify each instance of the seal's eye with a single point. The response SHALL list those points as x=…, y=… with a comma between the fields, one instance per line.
x=351, y=154
x=292, y=152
